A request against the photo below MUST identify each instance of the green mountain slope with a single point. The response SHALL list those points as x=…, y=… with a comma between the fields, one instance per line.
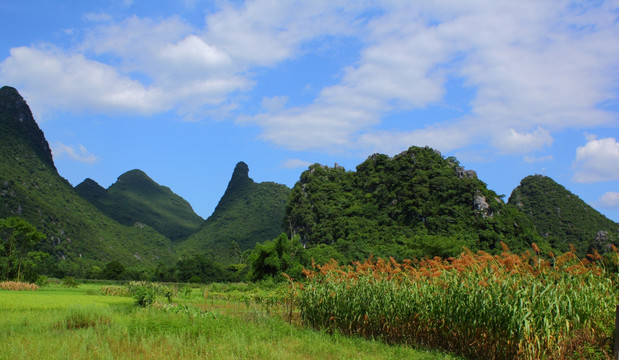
x=247, y=213
x=76, y=231
x=562, y=217
x=412, y=205
x=136, y=198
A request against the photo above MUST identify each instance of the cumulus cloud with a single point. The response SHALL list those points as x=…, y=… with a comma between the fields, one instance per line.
x=597, y=160
x=52, y=78
x=80, y=154
x=533, y=68
x=609, y=200
x=512, y=141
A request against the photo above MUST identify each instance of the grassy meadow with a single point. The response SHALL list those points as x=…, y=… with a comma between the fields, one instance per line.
x=218, y=322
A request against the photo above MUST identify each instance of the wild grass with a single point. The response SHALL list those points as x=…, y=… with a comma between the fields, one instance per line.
x=18, y=286
x=68, y=323
x=482, y=306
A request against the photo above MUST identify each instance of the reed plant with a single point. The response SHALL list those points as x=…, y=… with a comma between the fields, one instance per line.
x=504, y=306
x=18, y=286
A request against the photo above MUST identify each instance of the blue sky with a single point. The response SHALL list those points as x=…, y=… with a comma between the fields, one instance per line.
x=185, y=89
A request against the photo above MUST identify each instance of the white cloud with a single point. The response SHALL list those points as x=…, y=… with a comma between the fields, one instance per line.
x=609, y=200
x=445, y=138
x=264, y=32
x=81, y=154
x=512, y=141
x=536, y=67
x=533, y=67
x=295, y=163
x=54, y=79
x=598, y=160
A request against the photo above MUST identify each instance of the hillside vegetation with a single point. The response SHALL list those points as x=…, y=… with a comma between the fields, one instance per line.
x=248, y=213
x=76, y=233
x=562, y=218
x=413, y=205
x=416, y=204
x=135, y=197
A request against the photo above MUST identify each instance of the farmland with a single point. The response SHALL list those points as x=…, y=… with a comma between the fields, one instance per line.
x=215, y=322
x=507, y=306
x=478, y=306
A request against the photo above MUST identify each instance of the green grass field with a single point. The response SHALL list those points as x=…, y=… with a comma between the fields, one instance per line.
x=64, y=323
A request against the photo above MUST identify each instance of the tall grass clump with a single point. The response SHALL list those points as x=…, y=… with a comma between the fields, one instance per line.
x=114, y=291
x=145, y=293
x=18, y=286
x=478, y=305
x=80, y=317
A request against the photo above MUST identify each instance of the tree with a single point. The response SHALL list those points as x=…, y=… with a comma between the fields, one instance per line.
x=113, y=270
x=272, y=258
x=17, y=238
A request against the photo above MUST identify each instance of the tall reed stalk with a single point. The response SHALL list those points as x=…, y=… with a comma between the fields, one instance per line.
x=504, y=306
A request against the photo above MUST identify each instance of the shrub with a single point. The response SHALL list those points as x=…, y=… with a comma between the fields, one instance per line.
x=144, y=296
x=146, y=293
x=69, y=282
x=42, y=280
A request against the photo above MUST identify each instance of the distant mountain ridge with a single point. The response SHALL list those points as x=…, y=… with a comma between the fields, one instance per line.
x=414, y=204
x=30, y=187
x=247, y=213
x=135, y=197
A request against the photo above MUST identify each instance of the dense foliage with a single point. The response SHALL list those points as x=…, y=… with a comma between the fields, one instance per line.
x=17, y=238
x=280, y=256
x=248, y=213
x=135, y=197
x=506, y=306
x=563, y=218
x=415, y=204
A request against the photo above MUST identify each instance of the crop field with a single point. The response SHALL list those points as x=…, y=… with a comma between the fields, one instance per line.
x=216, y=322
x=482, y=306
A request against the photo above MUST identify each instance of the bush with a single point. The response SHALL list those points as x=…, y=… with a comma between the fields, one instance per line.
x=146, y=293
x=69, y=282
x=144, y=296
x=42, y=280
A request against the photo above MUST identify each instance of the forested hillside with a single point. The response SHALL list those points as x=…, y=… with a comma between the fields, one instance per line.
x=135, y=197
x=415, y=204
x=77, y=235
x=248, y=213
x=562, y=218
